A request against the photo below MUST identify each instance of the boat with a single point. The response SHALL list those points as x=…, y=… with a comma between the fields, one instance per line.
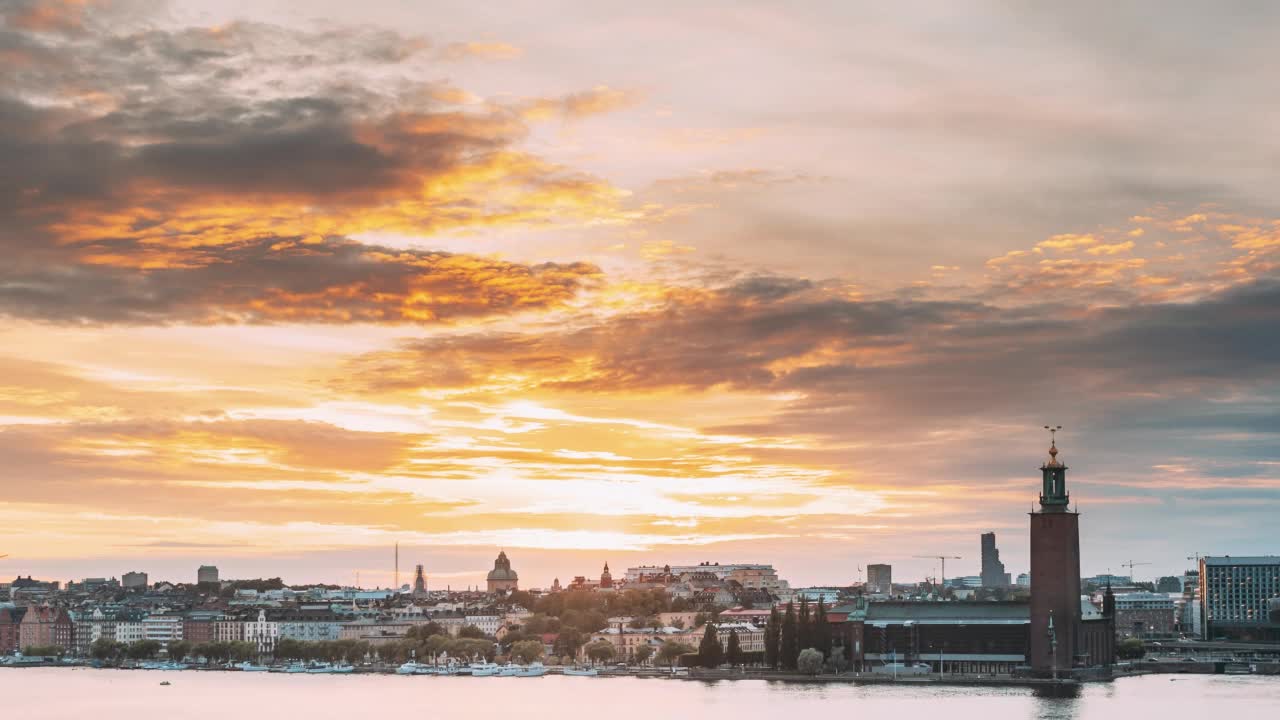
x=165, y=682
x=295, y=668
x=581, y=671
x=324, y=668
x=536, y=669
x=172, y=666
x=509, y=670
x=247, y=666
x=410, y=668
x=341, y=669
x=483, y=669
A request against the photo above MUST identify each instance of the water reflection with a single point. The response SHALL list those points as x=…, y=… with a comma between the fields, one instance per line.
x=1057, y=703
x=74, y=694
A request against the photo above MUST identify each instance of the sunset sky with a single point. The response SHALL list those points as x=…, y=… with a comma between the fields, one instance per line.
x=285, y=283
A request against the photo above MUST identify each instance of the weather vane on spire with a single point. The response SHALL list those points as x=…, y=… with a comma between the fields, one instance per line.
x=1053, y=434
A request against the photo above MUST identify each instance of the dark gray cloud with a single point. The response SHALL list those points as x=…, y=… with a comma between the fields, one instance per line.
x=212, y=175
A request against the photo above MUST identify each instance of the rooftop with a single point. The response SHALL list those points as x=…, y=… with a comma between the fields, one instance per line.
x=1242, y=560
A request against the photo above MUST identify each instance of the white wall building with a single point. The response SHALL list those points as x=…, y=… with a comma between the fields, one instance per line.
x=263, y=633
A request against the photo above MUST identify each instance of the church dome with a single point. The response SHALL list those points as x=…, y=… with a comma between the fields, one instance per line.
x=502, y=569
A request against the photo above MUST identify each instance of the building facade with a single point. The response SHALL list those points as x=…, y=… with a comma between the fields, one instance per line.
x=133, y=581
x=1062, y=642
x=207, y=574
x=880, y=579
x=1236, y=594
x=1145, y=614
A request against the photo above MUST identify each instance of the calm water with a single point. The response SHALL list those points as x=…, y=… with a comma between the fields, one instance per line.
x=58, y=693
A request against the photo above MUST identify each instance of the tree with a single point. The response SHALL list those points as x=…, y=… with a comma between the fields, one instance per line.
x=710, y=654
x=672, y=650
x=143, y=650
x=179, y=649
x=809, y=662
x=772, y=634
x=471, y=631
x=1130, y=649
x=568, y=642
x=642, y=654
x=104, y=649
x=789, y=644
x=733, y=653
x=527, y=651
x=822, y=630
x=601, y=651
x=804, y=628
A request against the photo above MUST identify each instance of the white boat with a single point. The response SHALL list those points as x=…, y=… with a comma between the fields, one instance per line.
x=536, y=669
x=341, y=669
x=250, y=667
x=409, y=668
x=483, y=669
x=508, y=670
x=296, y=668
x=581, y=672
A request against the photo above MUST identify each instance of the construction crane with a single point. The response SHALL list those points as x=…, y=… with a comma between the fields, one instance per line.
x=1130, y=565
x=943, y=559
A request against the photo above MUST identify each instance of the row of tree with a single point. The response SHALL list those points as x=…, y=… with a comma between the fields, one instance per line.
x=788, y=633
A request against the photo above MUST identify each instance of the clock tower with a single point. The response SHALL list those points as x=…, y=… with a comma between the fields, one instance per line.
x=1055, y=572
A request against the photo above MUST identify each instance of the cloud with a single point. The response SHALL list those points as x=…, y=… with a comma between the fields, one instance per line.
x=127, y=195
x=491, y=50
x=576, y=106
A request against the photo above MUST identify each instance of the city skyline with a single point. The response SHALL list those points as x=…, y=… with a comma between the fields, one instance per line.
x=662, y=284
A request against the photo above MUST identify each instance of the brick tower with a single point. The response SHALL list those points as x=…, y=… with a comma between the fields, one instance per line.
x=1055, y=573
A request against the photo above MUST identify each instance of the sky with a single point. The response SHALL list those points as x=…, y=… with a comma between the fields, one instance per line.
x=285, y=284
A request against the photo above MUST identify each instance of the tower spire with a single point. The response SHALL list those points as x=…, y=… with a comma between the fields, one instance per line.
x=1054, y=496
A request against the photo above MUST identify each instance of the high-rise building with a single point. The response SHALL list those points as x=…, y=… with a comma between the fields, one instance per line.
x=993, y=574
x=880, y=579
x=1235, y=595
x=131, y=580
x=207, y=574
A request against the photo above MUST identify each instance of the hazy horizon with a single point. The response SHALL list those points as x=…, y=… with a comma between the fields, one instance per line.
x=632, y=283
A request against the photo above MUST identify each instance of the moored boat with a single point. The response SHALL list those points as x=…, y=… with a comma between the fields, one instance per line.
x=483, y=669
x=581, y=671
x=536, y=669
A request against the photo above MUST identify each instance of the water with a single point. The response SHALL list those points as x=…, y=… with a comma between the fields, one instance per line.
x=79, y=693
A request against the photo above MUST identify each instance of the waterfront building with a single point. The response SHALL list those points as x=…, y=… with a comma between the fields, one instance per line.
x=967, y=637
x=10, y=627
x=502, y=579
x=880, y=579
x=129, y=631
x=750, y=636
x=46, y=626
x=134, y=581
x=163, y=629
x=207, y=574
x=1061, y=640
x=263, y=633
x=228, y=630
x=1235, y=595
x=606, y=578
x=993, y=574
x=1145, y=614
x=1024, y=580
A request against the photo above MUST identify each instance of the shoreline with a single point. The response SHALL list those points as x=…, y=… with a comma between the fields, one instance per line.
x=1064, y=684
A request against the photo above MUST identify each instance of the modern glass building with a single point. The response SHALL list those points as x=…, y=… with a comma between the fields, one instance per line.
x=1236, y=595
